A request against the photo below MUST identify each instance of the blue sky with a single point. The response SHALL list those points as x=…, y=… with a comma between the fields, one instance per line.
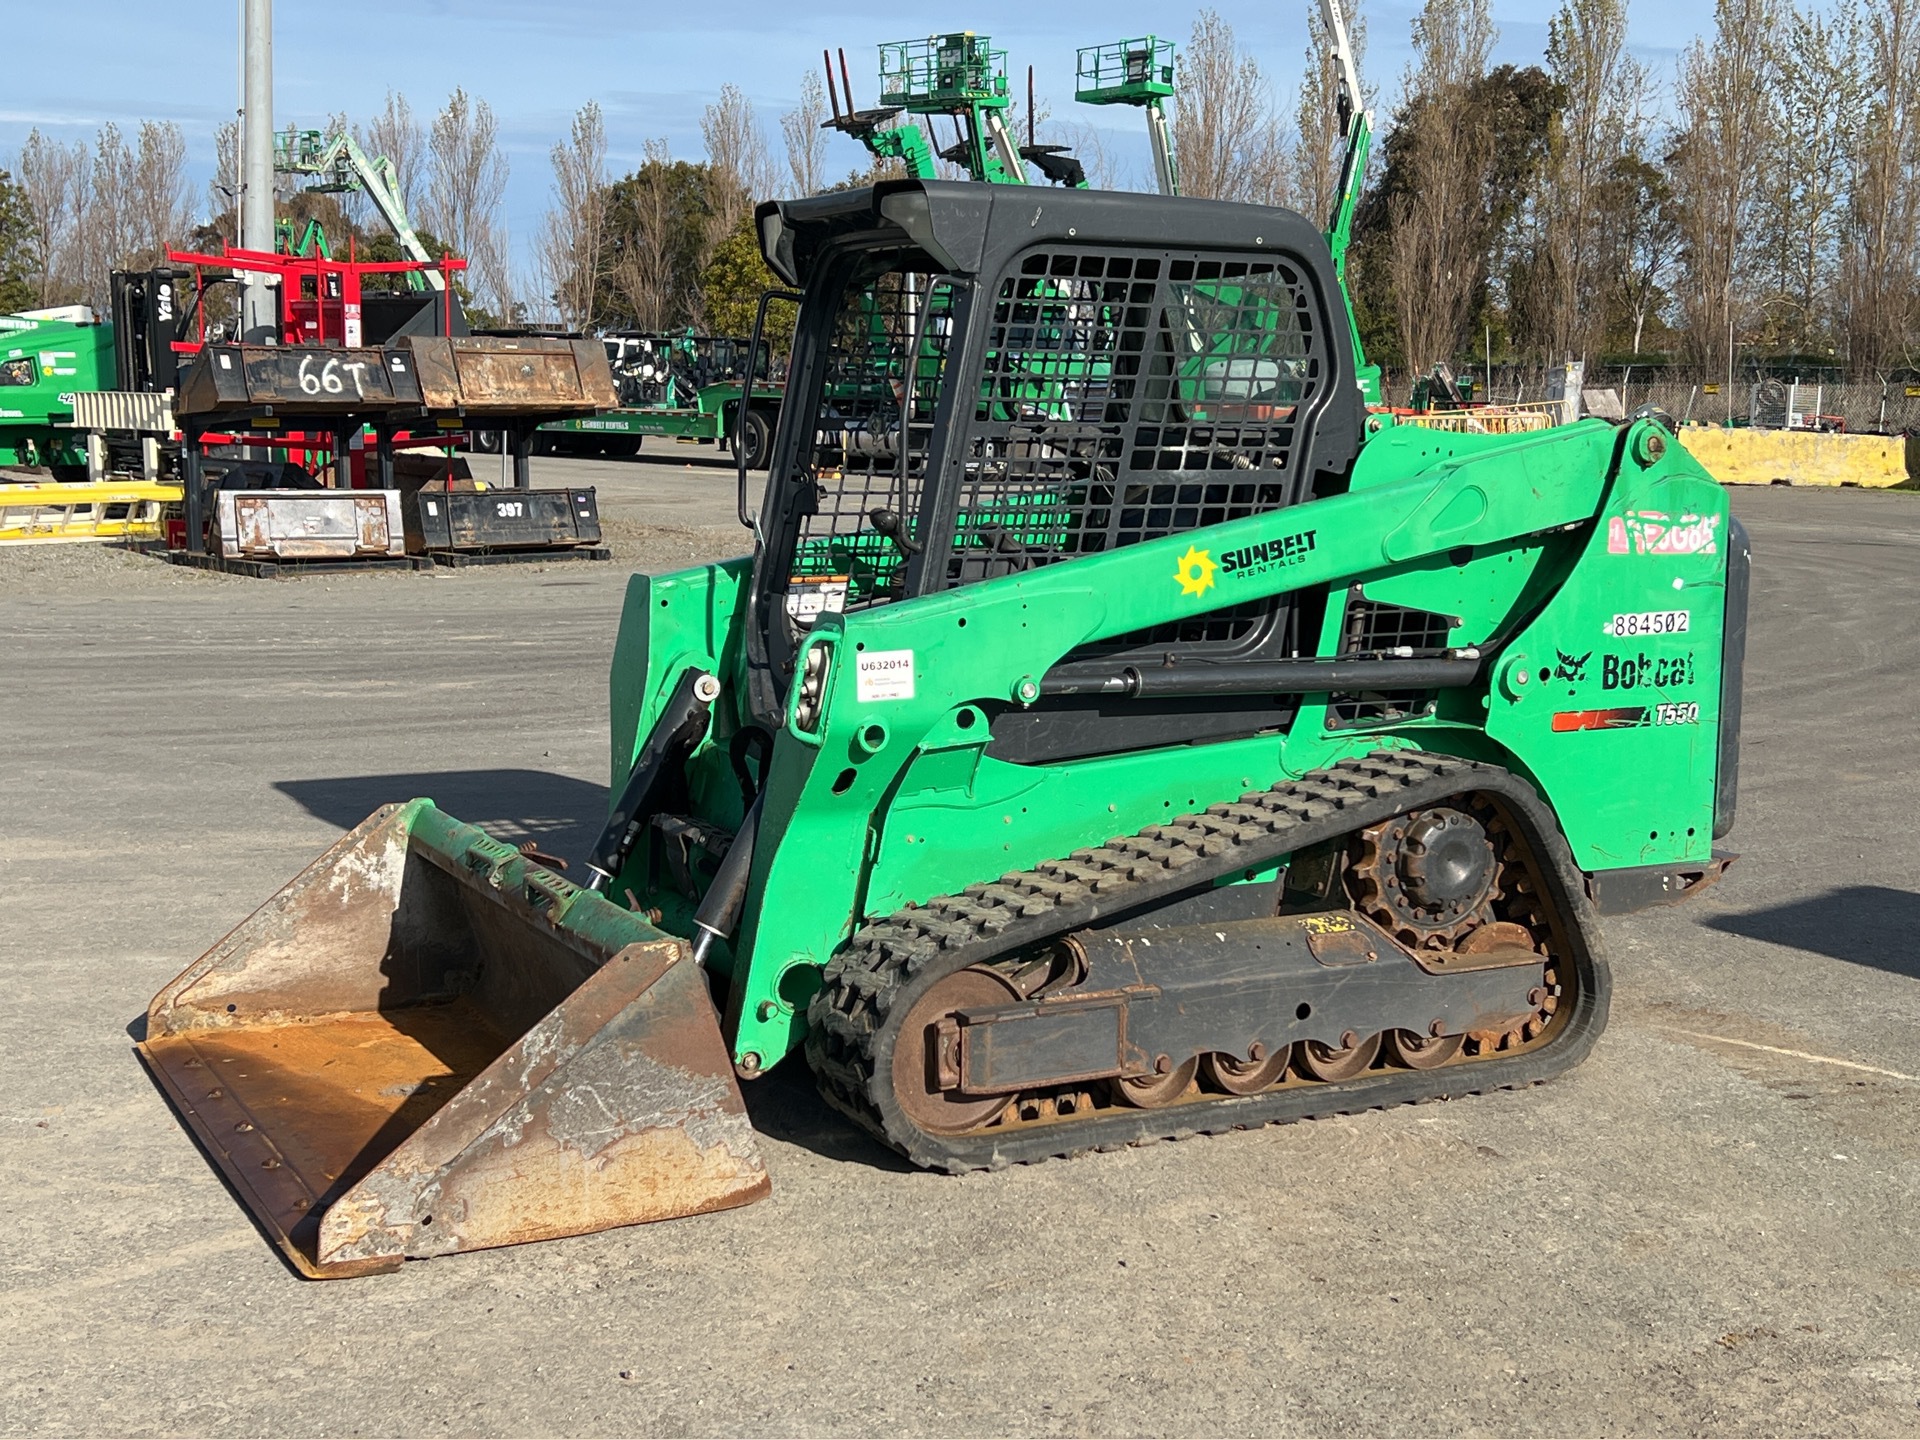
x=652, y=67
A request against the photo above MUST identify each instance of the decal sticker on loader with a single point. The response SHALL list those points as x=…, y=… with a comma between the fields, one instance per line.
x=1649, y=532
x=1648, y=622
x=811, y=596
x=883, y=675
x=1275, y=554
x=1195, y=572
x=1572, y=668
x=1626, y=718
x=1631, y=672
x=1325, y=924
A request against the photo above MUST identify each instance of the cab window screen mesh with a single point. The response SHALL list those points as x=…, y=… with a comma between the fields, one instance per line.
x=1127, y=396
x=871, y=435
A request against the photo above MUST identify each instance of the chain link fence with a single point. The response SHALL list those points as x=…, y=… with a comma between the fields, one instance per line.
x=1859, y=407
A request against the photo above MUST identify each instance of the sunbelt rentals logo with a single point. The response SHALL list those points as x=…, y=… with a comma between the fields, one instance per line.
x=1195, y=572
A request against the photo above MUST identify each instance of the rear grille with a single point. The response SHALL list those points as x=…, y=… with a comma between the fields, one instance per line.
x=1376, y=629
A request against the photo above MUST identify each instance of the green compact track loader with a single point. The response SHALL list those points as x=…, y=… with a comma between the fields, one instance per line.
x=1117, y=732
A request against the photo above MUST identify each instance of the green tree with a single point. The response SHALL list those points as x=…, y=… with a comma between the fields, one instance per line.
x=1456, y=173
x=1639, y=242
x=16, y=247
x=732, y=284
x=657, y=223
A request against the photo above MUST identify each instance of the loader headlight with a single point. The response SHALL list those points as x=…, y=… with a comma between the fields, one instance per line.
x=813, y=688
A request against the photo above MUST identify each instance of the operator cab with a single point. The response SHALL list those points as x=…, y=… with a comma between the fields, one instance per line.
x=1093, y=371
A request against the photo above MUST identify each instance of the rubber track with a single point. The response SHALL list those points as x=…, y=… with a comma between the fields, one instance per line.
x=890, y=962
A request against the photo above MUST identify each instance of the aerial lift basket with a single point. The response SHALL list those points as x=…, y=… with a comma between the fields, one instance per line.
x=426, y=1043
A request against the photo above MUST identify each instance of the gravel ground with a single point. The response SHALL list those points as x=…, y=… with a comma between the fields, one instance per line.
x=1707, y=1229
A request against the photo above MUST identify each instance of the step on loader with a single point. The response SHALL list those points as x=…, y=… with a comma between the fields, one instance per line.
x=1116, y=733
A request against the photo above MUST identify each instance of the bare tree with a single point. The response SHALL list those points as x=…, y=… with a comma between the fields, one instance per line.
x=159, y=199
x=1605, y=92
x=1638, y=242
x=55, y=179
x=1440, y=234
x=223, y=190
x=806, y=141
x=1089, y=146
x=464, y=192
x=573, y=241
x=1224, y=129
x=1811, y=139
x=1319, y=148
x=739, y=170
x=109, y=235
x=1720, y=146
x=1881, y=253
x=643, y=276
x=396, y=134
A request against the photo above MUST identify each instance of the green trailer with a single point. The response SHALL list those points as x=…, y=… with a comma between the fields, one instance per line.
x=684, y=387
x=45, y=357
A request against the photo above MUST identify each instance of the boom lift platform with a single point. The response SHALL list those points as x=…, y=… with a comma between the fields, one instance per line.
x=963, y=77
x=1140, y=73
x=335, y=164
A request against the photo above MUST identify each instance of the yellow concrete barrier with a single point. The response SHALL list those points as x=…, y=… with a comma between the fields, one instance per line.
x=1760, y=457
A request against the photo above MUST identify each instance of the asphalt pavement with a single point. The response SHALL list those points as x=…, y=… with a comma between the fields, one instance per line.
x=1708, y=1228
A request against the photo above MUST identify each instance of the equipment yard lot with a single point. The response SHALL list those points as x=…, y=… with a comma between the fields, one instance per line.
x=1684, y=1234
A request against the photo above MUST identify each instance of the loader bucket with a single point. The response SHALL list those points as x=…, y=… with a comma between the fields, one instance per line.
x=428, y=1044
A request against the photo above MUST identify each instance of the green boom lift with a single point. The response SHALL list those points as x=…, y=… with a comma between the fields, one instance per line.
x=1135, y=72
x=336, y=164
x=1115, y=733
x=964, y=78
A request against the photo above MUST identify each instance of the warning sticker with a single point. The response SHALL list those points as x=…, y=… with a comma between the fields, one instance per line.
x=809, y=597
x=884, y=675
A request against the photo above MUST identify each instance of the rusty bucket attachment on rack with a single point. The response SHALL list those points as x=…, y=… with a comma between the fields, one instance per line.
x=427, y=1044
x=493, y=376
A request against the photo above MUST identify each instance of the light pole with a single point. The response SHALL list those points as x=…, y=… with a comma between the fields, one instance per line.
x=259, y=315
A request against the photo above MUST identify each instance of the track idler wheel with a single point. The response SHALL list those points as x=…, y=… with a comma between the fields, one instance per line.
x=1246, y=1077
x=1328, y=1062
x=1150, y=1092
x=927, y=1061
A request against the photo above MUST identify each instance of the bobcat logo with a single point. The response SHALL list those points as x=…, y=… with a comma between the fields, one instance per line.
x=1571, y=668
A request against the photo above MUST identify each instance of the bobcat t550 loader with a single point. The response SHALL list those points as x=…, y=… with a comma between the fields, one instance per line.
x=1117, y=732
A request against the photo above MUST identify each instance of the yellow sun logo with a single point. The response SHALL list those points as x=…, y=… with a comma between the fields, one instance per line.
x=1196, y=572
